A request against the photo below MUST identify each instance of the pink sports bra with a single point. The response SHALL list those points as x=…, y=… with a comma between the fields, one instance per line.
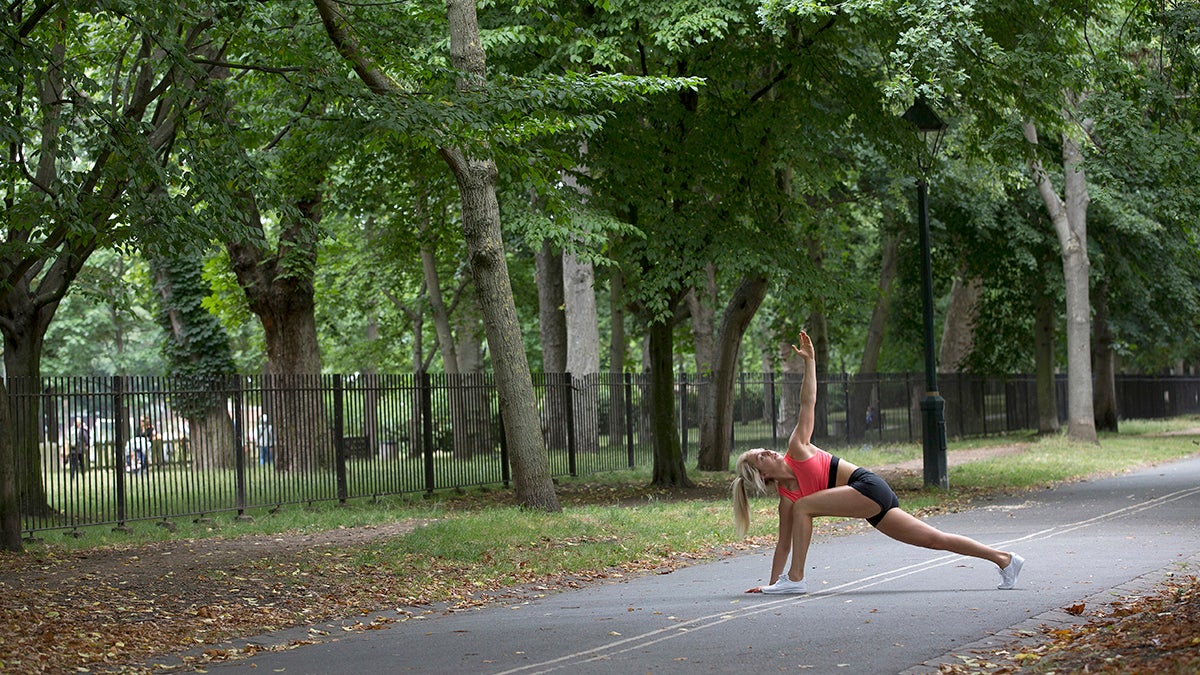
x=814, y=474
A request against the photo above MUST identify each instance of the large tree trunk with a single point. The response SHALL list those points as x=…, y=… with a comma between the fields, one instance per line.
x=583, y=349
x=24, y=317
x=958, y=331
x=1043, y=350
x=1069, y=216
x=485, y=245
x=958, y=339
x=10, y=502
x=817, y=326
x=284, y=302
x=1105, y=402
x=669, y=469
x=742, y=307
x=701, y=306
x=518, y=406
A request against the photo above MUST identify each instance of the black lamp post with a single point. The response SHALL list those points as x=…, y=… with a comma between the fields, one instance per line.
x=933, y=406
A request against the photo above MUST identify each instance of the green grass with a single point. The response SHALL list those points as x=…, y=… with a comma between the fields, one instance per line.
x=615, y=518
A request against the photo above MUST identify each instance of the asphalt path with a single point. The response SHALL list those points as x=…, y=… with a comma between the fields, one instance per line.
x=875, y=606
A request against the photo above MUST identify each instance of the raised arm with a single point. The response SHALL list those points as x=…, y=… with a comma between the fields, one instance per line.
x=802, y=434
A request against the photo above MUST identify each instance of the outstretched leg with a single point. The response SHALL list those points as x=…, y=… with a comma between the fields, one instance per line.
x=902, y=526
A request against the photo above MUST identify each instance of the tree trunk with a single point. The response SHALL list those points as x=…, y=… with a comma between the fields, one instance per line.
x=24, y=318
x=552, y=328
x=1105, y=402
x=741, y=309
x=476, y=180
x=552, y=325
x=10, y=502
x=1043, y=349
x=701, y=308
x=792, y=367
x=469, y=410
x=669, y=470
x=958, y=331
x=768, y=390
x=1070, y=224
x=865, y=396
x=583, y=330
x=283, y=300
x=433, y=286
x=197, y=346
x=958, y=338
x=583, y=349
x=818, y=330
x=518, y=406
x=817, y=327
x=616, y=357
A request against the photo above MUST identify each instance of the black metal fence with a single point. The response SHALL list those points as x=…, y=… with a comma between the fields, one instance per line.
x=92, y=451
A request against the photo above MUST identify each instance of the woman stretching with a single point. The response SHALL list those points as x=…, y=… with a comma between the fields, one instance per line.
x=812, y=482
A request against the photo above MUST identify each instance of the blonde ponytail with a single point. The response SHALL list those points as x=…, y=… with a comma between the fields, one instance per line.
x=741, y=507
x=746, y=473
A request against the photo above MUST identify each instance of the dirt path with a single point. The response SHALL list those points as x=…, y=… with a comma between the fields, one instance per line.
x=955, y=458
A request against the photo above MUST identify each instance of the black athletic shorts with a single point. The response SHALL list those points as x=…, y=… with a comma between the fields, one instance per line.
x=877, y=490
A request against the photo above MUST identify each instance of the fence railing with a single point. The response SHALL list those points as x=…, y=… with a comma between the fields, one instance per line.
x=111, y=450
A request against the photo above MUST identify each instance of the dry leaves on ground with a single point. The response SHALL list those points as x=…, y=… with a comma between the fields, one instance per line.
x=1157, y=633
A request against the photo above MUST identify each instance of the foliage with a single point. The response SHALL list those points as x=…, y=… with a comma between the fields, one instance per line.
x=197, y=347
x=105, y=325
x=689, y=113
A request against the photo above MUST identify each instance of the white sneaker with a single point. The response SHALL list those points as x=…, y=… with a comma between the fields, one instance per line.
x=787, y=586
x=1008, y=575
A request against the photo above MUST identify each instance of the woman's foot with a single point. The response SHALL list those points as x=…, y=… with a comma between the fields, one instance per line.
x=787, y=586
x=1008, y=575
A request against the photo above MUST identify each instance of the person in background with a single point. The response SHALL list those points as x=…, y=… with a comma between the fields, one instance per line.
x=143, y=443
x=79, y=439
x=266, y=440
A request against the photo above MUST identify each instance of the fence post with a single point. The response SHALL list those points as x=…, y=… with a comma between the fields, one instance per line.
x=774, y=411
x=683, y=429
x=629, y=417
x=427, y=429
x=119, y=441
x=845, y=377
x=908, y=405
x=505, y=469
x=571, y=446
x=239, y=451
x=339, y=437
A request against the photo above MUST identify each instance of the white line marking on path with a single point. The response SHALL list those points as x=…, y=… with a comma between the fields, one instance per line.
x=712, y=620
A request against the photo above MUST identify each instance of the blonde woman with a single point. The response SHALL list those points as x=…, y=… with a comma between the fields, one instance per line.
x=812, y=483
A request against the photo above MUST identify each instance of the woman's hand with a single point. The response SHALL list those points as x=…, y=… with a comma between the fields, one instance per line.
x=805, y=348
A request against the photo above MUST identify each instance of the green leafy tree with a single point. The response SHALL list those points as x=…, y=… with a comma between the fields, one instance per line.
x=99, y=95
x=198, y=356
